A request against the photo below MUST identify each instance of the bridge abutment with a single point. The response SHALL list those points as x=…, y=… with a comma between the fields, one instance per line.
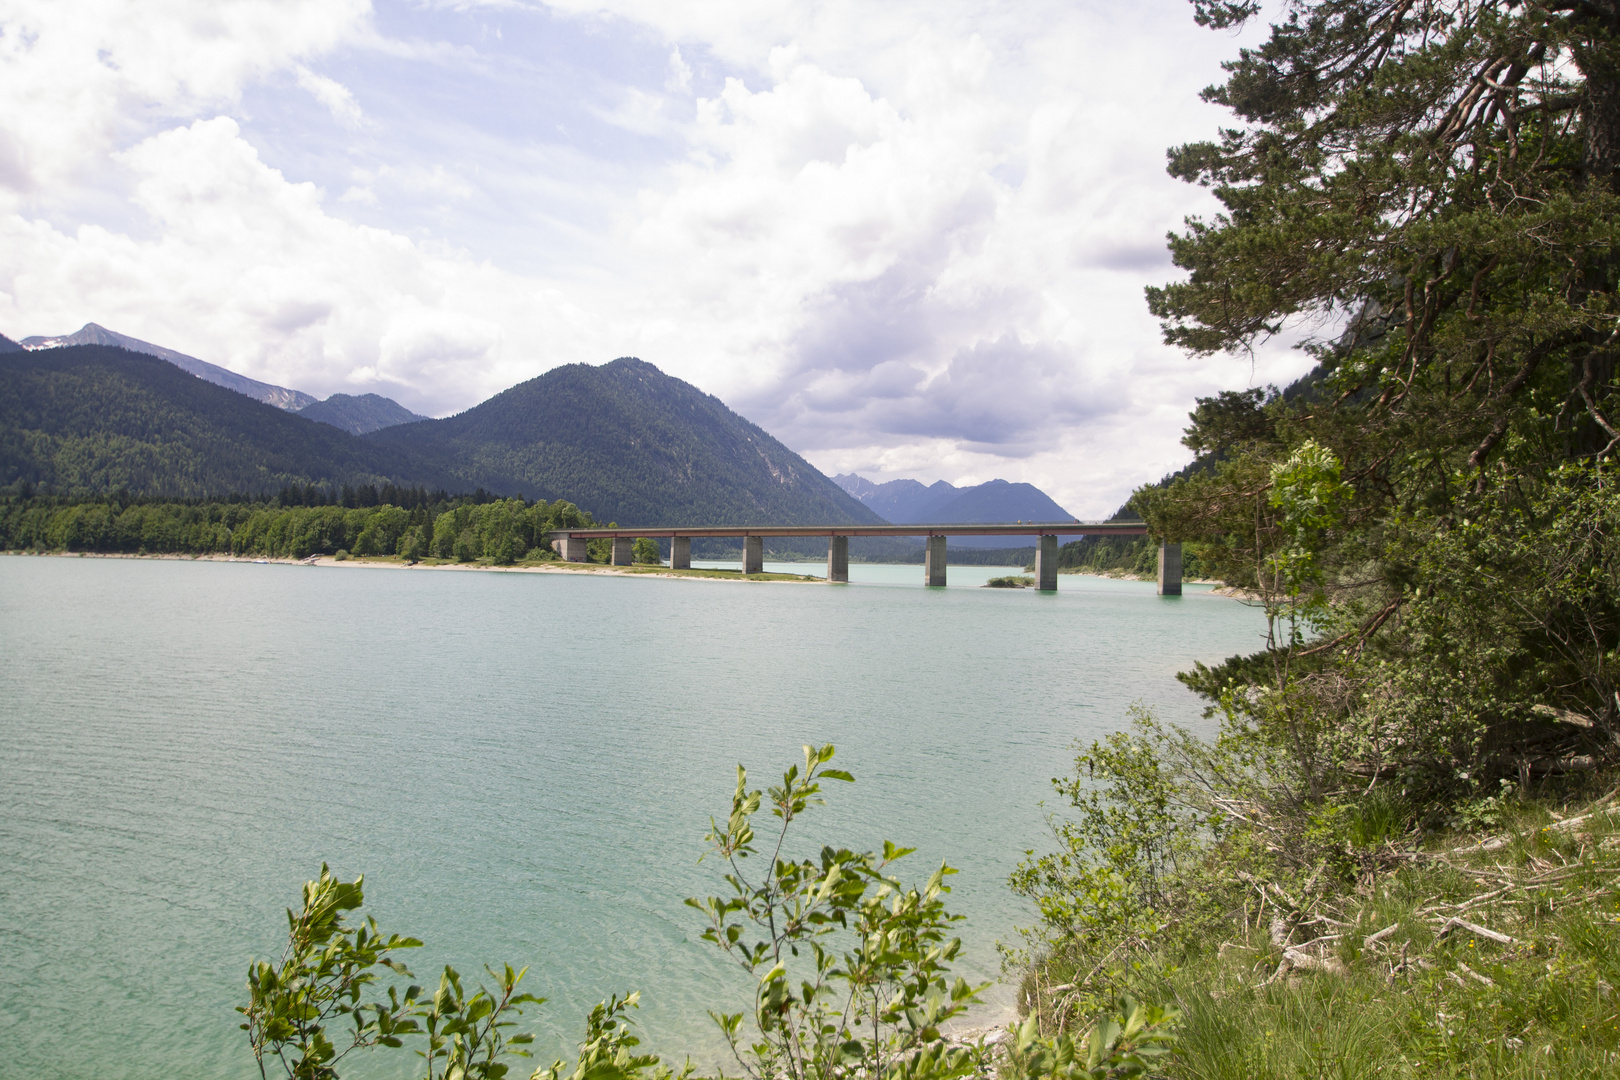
x=838, y=558
x=1046, y=563
x=934, y=561
x=680, y=553
x=1169, y=569
x=753, y=554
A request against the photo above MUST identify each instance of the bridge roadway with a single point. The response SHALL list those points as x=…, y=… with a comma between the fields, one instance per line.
x=570, y=544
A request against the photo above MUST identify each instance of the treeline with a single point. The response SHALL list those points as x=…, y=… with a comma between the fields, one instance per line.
x=1134, y=555
x=303, y=522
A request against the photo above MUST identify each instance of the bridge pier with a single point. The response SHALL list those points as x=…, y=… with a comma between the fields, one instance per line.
x=571, y=548
x=624, y=549
x=1169, y=569
x=934, y=562
x=680, y=553
x=838, y=558
x=753, y=554
x=1046, y=563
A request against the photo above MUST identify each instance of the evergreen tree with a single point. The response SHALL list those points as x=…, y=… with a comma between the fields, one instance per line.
x=1433, y=187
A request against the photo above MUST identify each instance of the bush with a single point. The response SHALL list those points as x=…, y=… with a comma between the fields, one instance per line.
x=850, y=969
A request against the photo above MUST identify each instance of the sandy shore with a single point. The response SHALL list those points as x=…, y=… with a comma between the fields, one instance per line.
x=354, y=562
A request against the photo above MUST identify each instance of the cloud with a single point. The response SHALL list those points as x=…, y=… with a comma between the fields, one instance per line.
x=80, y=78
x=315, y=302
x=907, y=239
x=337, y=98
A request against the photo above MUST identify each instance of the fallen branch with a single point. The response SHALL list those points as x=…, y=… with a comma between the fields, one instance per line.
x=1482, y=897
x=1318, y=941
x=1309, y=962
x=1477, y=930
x=1372, y=939
x=1496, y=843
x=1563, y=716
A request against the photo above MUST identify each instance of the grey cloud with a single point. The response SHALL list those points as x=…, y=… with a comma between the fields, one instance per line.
x=1130, y=256
x=1001, y=395
x=14, y=172
x=292, y=316
x=890, y=361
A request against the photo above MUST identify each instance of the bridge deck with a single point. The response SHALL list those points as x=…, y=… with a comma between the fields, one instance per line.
x=1029, y=528
x=570, y=544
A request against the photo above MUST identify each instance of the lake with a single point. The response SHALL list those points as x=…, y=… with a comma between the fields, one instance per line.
x=522, y=765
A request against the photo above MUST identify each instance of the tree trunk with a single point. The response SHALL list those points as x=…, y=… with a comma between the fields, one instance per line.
x=1597, y=53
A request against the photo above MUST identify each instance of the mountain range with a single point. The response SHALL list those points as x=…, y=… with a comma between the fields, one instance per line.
x=909, y=502
x=97, y=411
x=356, y=415
x=623, y=440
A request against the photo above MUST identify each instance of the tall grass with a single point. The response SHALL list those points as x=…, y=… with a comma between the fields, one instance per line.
x=1418, y=1002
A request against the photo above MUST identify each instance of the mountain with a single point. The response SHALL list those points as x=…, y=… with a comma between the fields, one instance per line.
x=632, y=445
x=998, y=500
x=91, y=334
x=95, y=418
x=624, y=441
x=359, y=415
x=907, y=502
x=899, y=501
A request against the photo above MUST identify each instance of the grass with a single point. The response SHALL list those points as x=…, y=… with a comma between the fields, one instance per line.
x=1418, y=1002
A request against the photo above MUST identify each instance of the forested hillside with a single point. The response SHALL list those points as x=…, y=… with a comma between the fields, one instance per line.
x=635, y=445
x=359, y=414
x=94, y=418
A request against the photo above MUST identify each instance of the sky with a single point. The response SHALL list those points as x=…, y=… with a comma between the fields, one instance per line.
x=907, y=239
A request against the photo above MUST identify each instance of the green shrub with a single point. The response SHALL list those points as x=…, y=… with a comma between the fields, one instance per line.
x=850, y=969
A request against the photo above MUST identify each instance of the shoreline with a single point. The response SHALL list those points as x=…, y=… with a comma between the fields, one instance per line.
x=548, y=567
x=392, y=563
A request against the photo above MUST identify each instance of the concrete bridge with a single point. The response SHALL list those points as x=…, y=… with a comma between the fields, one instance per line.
x=570, y=544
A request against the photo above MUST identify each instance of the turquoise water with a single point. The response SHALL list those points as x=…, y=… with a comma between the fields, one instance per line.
x=523, y=766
